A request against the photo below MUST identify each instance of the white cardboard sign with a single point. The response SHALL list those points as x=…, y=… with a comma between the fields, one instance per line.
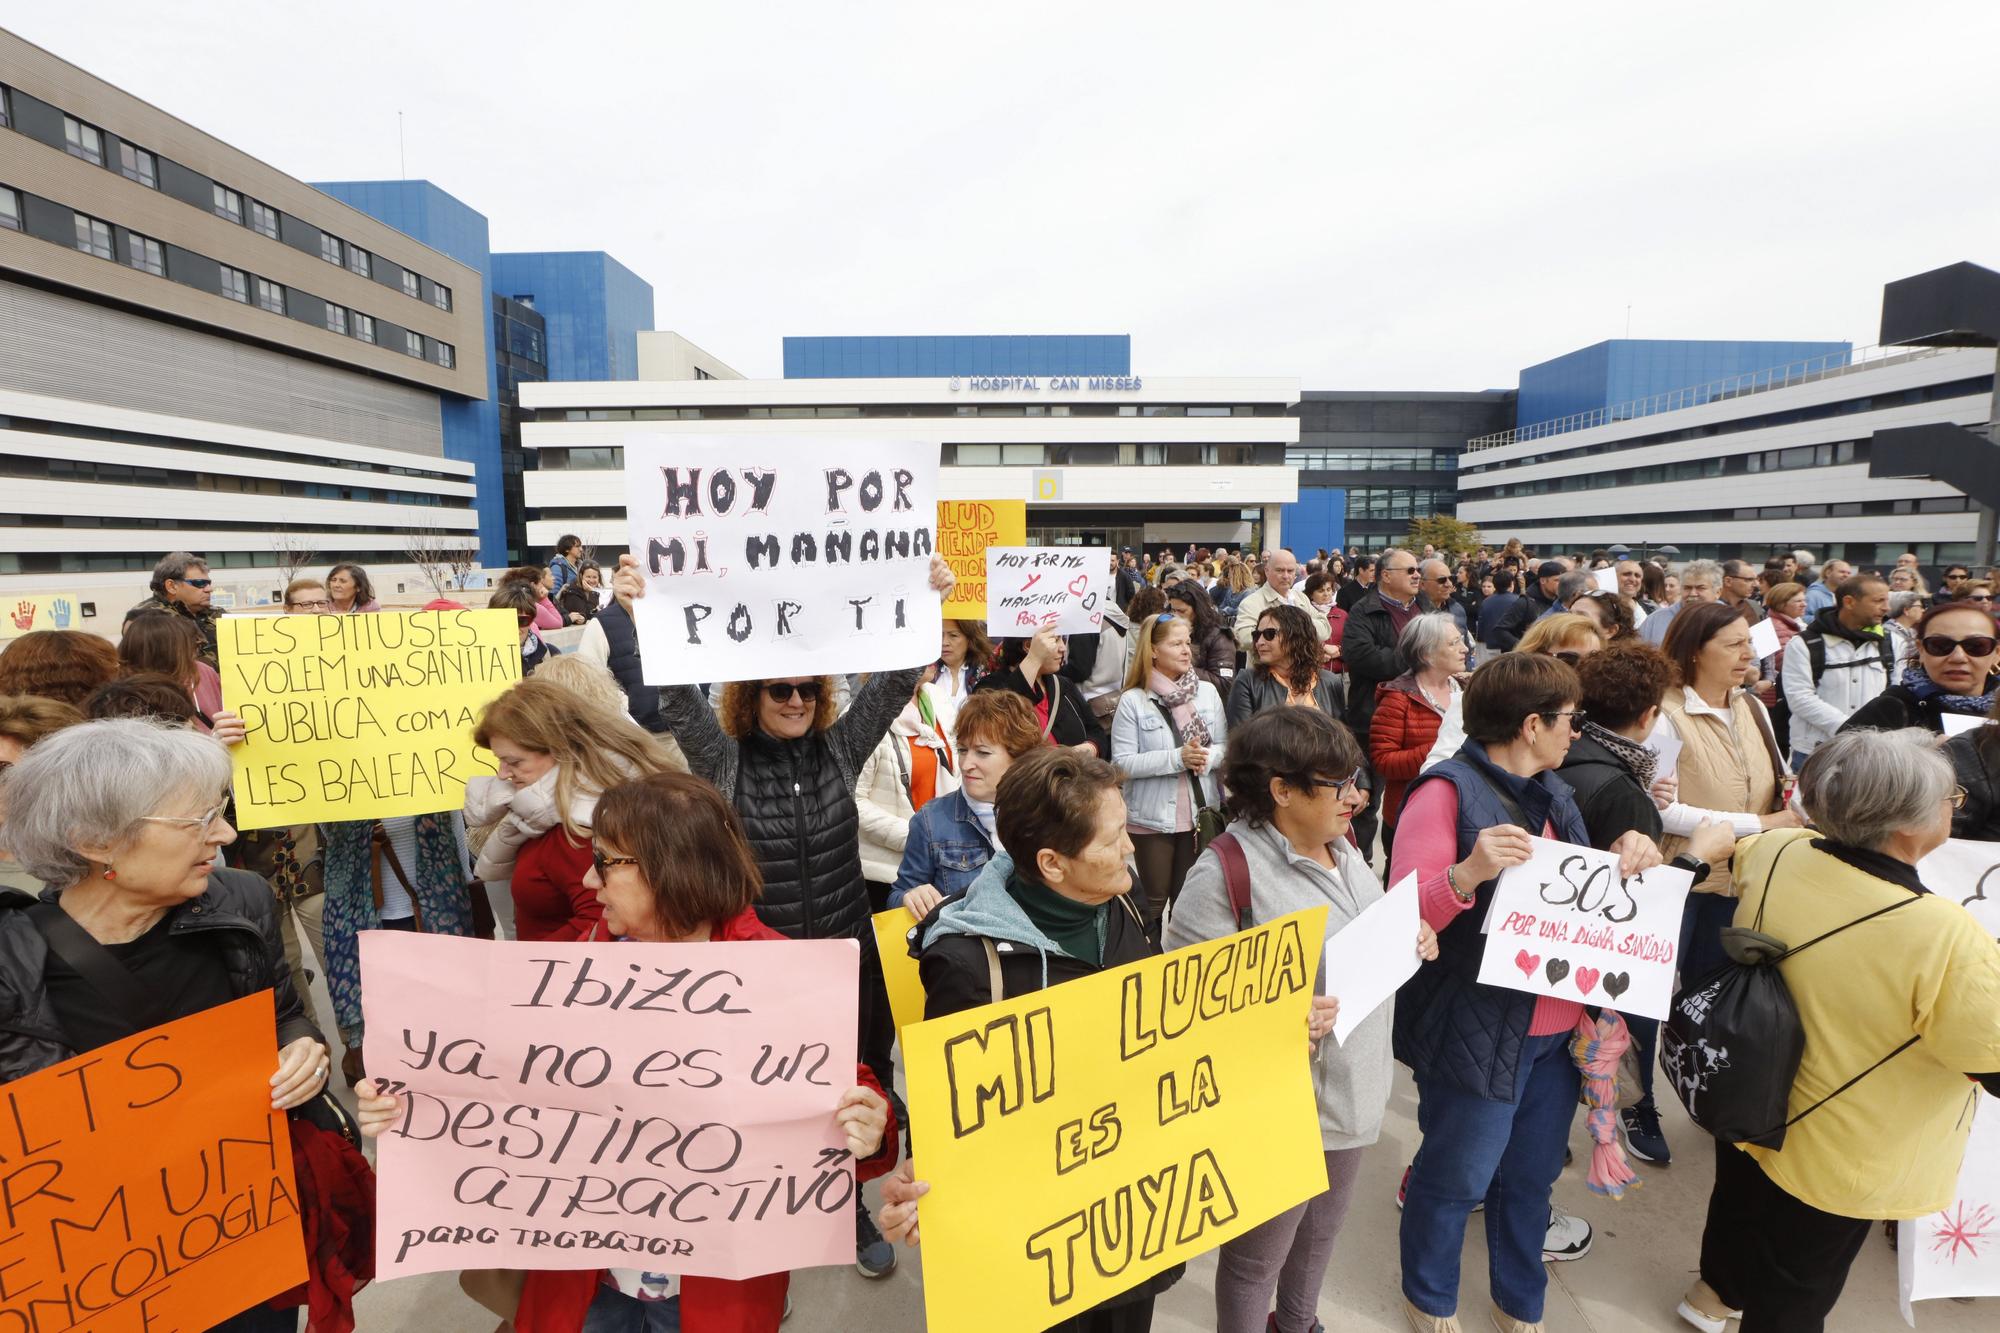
x=1564, y=924
x=1968, y=873
x=1028, y=586
x=1607, y=578
x=774, y=555
x=1954, y=723
x=1957, y=1252
x=1372, y=955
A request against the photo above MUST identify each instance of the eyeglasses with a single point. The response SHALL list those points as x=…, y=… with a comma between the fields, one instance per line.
x=1957, y=798
x=781, y=692
x=1569, y=655
x=1267, y=635
x=200, y=823
x=1975, y=645
x=197, y=583
x=1341, y=787
x=1575, y=716
x=317, y=604
x=602, y=863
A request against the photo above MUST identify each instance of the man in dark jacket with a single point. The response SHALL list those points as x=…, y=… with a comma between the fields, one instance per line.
x=1497, y=612
x=1359, y=584
x=180, y=587
x=1368, y=646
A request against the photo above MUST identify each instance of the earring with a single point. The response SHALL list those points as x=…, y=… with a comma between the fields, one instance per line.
x=109, y=873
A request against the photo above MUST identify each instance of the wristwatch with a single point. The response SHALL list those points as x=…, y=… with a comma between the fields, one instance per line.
x=1693, y=865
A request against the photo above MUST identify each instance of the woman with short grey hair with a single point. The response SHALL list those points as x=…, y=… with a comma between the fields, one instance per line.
x=122, y=819
x=1418, y=709
x=1899, y=1003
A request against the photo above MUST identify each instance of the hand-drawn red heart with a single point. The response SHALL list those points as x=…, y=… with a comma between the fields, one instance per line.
x=1586, y=977
x=1078, y=584
x=1527, y=962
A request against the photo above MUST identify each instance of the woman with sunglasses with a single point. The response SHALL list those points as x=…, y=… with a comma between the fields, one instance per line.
x=1166, y=737
x=1294, y=781
x=124, y=818
x=1496, y=1084
x=668, y=864
x=1951, y=671
x=1286, y=669
x=1566, y=636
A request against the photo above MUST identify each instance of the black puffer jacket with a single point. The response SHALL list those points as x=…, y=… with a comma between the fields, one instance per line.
x=236, y=913
x=1975, y=757
x=796, y=799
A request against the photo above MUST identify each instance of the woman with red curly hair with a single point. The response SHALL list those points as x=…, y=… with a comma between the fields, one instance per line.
x=62, y=664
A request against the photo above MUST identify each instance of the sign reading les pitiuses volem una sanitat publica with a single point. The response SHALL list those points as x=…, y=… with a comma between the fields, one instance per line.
x=769, y=556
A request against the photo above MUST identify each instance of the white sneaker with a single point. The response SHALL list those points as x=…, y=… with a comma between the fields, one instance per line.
x=1567, y=1237
x=1695, y=1307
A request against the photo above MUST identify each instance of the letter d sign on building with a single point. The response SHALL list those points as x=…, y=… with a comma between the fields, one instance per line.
x=1048, y=486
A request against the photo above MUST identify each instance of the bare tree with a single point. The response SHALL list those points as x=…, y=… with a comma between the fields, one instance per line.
x=291, y=552
x=430, y=549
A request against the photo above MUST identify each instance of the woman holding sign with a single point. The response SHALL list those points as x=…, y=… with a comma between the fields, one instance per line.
x=1496, y=1085
x=1030, y=668
x=1293, y=776
x=669, y=865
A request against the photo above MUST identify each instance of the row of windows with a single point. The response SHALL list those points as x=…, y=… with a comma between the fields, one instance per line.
x=1929, y=393
x=1948, y=504
x=86, y=141
x=1371, y=460
x=909, y=410
x=95, y=435
x=95, y=236
x=1385, y=502
x=1790, y=459
x=612, y=457
x=139, y=474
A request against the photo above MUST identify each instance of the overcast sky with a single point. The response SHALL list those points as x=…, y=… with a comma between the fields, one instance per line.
x=1378, y=196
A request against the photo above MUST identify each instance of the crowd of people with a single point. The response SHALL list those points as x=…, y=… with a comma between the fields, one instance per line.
x=1043, y=808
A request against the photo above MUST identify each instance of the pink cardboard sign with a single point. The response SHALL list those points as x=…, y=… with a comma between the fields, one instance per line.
x=666, y=1107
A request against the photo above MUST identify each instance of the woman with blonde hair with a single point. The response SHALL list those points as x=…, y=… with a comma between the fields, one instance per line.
x=557, y=753
x=1565, y=636
x=1167, y=734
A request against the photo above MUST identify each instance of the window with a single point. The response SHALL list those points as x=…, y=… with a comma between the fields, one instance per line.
x=10, y=210
x=143, y=252
x=264, y=219
x=329, y=249
x=413, y=343
x=357, y=260
x=364, y=327
x=84, y=141
x=139, y=165
x=271, y=296
x=411, y=285
x=235, y=284
x=441, y=298
x=228, y=203
x=336, y=317
x=446, y=356
x=93, y=236
x=4, y=121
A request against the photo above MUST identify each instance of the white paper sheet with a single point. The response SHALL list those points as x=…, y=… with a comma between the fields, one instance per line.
x=1957, y=722
x=1666, y=743
x=1607, y=578
x=1369, y=957
x=1763, y=639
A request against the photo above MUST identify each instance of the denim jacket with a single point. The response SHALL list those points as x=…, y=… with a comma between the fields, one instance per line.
x=947, y=849
x=1144, y=748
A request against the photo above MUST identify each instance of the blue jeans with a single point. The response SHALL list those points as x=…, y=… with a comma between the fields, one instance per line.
x=614, y=1312
x=1506, y=1153
x=1700, y=953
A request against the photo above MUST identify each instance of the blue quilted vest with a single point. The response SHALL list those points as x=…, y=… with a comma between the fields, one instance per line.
x=621, y=637
x=1450, y=1029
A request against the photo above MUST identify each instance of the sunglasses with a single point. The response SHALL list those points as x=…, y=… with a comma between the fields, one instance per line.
x=1975, y=645
x=782, y=692
x=1575, y=716
x=602, y=863
x=1267, y=635
x=1570, y=656
x=198, y=583
x=521, y=618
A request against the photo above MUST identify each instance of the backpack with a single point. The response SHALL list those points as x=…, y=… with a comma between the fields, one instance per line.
x=1816, y=655
x=1732, y=1041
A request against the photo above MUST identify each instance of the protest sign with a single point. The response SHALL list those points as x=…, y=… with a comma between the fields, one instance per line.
x=1372, y=955
x=1029, y=586
x=899, y=970
x=361, y=717
x=1954, y=723
x=1666, y=743
x=1968, y=873
x=148, y=1184
x=1565, y=924
x=771, y=556
x=965, y=529
x=1084, y=1138
x=25, y=614
x=1957, y=1252
x=621, y=1104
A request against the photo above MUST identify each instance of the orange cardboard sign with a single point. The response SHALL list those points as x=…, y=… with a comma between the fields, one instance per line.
x=148, y=1184
x=965, y=528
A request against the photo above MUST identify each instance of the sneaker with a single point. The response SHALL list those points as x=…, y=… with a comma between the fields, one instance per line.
x=1429, y=1323
x=1705, y=1310
x=874, y=1256
x=1403, y=1189
x=1567, y=1237
x=1643, y=1137
x=1507, y=1323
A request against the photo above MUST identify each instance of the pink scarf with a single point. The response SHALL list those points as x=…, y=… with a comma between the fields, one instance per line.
x=1179, y=697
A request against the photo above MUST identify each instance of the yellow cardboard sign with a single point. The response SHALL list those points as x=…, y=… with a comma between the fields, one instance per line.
x=899, y=970
x=361, y=717
x=1083, y=1138
x=965, y=528
x=25, y=613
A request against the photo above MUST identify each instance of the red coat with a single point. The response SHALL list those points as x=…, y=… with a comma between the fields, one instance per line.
x=1399, y=737
x=555, y=1302
x=1336, y=625
x=550, y=900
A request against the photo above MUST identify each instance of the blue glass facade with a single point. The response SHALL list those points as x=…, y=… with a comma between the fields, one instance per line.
x=927, y=357
x=1624, y=370
x=425, y=213
x=595, y=307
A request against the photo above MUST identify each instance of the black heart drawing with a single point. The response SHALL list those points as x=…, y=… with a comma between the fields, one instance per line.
x=1555, y=970
x=1089, y=600
x=1617, y=983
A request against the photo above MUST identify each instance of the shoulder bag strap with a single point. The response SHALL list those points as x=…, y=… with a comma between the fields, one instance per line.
x=95, y=964
x=1235, y=876
x=1193, y=779
x=379, y=836
x=994, y=980
x=1851, y=1082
